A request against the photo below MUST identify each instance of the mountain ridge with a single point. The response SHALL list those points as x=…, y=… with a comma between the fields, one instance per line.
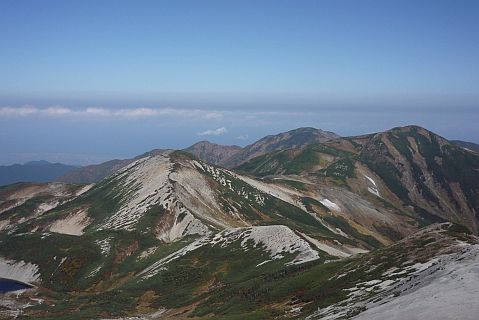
x=467, y=145
x=285, y=140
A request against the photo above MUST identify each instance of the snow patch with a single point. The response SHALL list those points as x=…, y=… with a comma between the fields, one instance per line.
x=330, y=205
x=4, y=224
x=73, y=224
x=373, y=188
x=46, y=206
x=224, y=176
x=329, y=249
x=84, y=189
x=20, y=271
x=146, y=253
x=95, y=271
x=105, y=245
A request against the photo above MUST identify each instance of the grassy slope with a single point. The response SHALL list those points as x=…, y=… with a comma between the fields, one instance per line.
x=224, y=283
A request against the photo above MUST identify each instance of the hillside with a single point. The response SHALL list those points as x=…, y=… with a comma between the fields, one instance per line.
x=418, y=172
x=318, y=230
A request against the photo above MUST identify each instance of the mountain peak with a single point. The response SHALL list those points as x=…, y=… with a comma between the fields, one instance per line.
x=296, y=138
x=206, y=143
x=310, y=130
x=212, y=152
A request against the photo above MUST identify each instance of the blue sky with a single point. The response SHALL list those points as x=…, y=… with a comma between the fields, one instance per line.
x=84, y=81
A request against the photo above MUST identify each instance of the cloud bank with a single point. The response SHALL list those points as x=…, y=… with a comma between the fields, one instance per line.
x=95, y=112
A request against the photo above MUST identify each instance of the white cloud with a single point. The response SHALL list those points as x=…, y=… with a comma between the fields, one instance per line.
x=213, y=116
x=97, y=111
x=248, y=116
x=22, y=111
x=242, y=137
x=56, y=111
x=215, y=132
x=137, y=112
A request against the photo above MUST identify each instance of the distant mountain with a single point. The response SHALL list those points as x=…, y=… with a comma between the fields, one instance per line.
x=33, y=171
x=233, y=156
x=213, y=153
x=96, y=172
x=225, y=156
x=93, y=173
x=467, y=145
x=292, y=139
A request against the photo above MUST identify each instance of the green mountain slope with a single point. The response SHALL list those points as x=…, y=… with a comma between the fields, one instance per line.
x=418, y=172
x=427, y=172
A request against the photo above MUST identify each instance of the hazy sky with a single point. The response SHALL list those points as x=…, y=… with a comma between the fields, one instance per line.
x=84, y=81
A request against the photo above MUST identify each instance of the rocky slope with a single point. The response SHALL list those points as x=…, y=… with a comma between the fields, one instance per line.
x=429, y=275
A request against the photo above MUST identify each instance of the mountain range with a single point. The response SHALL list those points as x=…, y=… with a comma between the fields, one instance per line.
x=222, y=155
x=34, y=171
x=300, y=225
